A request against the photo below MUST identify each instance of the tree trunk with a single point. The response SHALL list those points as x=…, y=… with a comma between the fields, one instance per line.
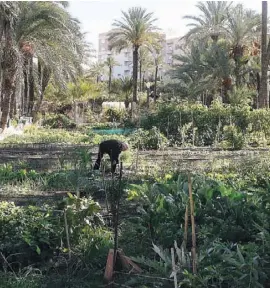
x=110, y=78
x=227, y=86
x=263, y=93
x=43, y=79
x=237, y=56
x=26, y=86
x=135, y=72
x=148, y=97
x=155, y=87
x=13, y=103
x=1, y=95
x=237, y=74
x=1, y=71
x=140, y=76
x=31, y=87
x=9, y=66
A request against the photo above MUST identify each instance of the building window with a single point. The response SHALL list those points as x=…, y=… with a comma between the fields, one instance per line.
x=126, y=72
x=126, y=63
x=127, y=54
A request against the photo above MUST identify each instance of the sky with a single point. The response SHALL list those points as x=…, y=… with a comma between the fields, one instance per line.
x=97, y=16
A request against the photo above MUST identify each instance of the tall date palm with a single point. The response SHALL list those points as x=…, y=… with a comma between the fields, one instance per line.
x=210, y=23
x=110, y=63
x=135, y=29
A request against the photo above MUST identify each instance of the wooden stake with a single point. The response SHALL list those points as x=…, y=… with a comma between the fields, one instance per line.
x=104, y=186
x=193, y=249
x=108, y=276
x=173, y=268
x=116, y=212
x=137, y=159
x=67, y=234
x=186, y=229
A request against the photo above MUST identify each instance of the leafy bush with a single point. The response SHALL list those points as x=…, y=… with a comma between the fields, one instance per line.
x=115, y=115
x=9, y=174
x=32, y=234
x=205, y=126
x=59, y=121
x=228, y=230
x=105, y=125
x=148, y=139
x=233, y=138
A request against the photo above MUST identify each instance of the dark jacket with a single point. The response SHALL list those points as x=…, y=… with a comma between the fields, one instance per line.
x=111, y=147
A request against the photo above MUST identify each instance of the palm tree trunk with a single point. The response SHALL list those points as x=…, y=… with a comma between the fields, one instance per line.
x=1, y=78
x=237, y=56
x=237, y=74
x=155, y=87
x=263, y=93
x=43, y=80
x=148, y=97
x=31, y=87
x=140, y=76
x=110, y=78
x=9, y=65
x=13, y=104
x=135, y=72
x=26, y=86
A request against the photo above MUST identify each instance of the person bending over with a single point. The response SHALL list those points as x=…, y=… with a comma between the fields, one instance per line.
x=113, y=148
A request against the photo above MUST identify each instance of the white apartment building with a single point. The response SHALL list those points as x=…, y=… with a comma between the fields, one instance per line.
x=124, y=58
x=173, y=47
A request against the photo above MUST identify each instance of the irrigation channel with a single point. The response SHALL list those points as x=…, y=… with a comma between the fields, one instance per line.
x=43, y=157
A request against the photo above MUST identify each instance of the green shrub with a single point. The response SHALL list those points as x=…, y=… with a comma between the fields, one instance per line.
x=203, y=126
x=32, y=234
x=233, y=138
x=148, y=139
x=59, y=121
x=115, y=115
x=231, y=226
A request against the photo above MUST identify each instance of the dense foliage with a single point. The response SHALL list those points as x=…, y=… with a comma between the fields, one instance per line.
x=200, y=125
x=231, y=227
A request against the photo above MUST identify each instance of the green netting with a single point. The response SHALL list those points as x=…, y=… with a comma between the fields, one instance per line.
x=116, y=131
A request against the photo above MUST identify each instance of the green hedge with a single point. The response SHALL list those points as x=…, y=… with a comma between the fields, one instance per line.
x=200, y=125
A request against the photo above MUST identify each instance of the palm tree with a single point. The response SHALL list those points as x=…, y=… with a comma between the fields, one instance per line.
x=97, y=70
x=46, y=30
x=145, y=63
x=263, y=93
x=242, y=30
x=157, y=61
x=135, y=29
x=9, y=57
x=204, y=67
x=123, y=87
x=110, y=63
x=211, y=22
